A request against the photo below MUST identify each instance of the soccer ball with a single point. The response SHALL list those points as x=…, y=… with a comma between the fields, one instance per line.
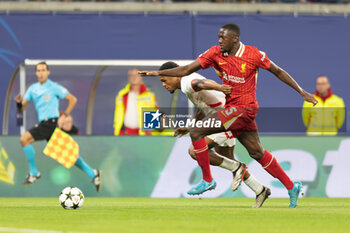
x=71, y=198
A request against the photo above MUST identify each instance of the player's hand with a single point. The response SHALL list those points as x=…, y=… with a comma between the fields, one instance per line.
x=226, y=89
x=181, y=132
x=61, y=121
x=19, y=98
x=309, y=97
x=149, y=73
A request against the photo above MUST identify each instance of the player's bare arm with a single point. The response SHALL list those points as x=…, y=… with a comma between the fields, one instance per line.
x=199, y=115
x=175, y=72
x=181, y=132
x=286, y=78
x=72, y=100
x=207, y=84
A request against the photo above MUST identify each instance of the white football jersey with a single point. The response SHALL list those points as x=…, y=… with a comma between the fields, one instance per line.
x=209, y=101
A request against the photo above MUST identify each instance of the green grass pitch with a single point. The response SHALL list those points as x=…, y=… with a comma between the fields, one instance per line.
x=175, y=215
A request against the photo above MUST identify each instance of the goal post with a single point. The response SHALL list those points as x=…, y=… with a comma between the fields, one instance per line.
x=95, y=69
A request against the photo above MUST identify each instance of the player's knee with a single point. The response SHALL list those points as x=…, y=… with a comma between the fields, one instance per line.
x=256, y=154
x=195, y=135
x=25, y=139
x=191, y=153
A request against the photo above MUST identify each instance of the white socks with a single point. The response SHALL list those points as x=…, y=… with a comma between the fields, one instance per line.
x=254, y=185
x=229, y=164
x=251, y=182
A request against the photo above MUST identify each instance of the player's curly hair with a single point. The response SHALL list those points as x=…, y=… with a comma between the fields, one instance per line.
x=232, y=27
x=168, y=65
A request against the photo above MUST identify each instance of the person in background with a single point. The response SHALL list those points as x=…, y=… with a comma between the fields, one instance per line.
x=327, y=117
x=45, y=94
x=128, y=118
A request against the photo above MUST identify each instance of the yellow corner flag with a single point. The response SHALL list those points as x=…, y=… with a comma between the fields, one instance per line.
x=62, y=148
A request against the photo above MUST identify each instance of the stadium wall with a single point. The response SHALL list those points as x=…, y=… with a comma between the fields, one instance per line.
x=166, y=170
x=304, y=45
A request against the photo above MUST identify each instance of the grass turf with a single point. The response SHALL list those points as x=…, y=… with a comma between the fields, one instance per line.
x=177, y=215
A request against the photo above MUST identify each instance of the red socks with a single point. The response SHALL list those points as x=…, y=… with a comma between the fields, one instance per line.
x=270, y=164
x=201, y=149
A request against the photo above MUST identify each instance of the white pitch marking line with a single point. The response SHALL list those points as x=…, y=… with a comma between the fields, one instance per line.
x=26, y=230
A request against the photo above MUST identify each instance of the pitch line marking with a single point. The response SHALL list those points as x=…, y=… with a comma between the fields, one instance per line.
x=27, y=230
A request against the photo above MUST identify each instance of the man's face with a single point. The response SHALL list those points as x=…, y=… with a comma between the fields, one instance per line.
x=134, y=77
x=227, y=39
x=322, y=85
x=42, y=73
x=170, y=83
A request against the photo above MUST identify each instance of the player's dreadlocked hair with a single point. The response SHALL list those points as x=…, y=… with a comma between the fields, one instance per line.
x=168, y=65
x=232, y=27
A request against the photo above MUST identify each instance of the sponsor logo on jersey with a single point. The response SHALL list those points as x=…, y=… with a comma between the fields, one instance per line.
x=232, y=78
x=243, y=66
x=47, y=97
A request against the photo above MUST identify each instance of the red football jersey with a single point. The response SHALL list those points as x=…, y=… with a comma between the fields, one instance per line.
x=239, y=71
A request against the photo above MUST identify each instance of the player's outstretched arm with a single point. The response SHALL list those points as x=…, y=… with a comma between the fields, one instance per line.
x=179, y=71
x=179, y=132
x=199, y=115
x=208, y=84
x=286, y=78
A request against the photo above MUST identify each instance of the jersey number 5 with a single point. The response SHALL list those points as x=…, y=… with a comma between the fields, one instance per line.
x=230, y=110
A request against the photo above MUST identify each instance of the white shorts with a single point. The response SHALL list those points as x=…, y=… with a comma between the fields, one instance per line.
x=224, y=139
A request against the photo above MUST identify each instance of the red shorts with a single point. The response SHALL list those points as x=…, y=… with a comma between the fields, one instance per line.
x=238, y=119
